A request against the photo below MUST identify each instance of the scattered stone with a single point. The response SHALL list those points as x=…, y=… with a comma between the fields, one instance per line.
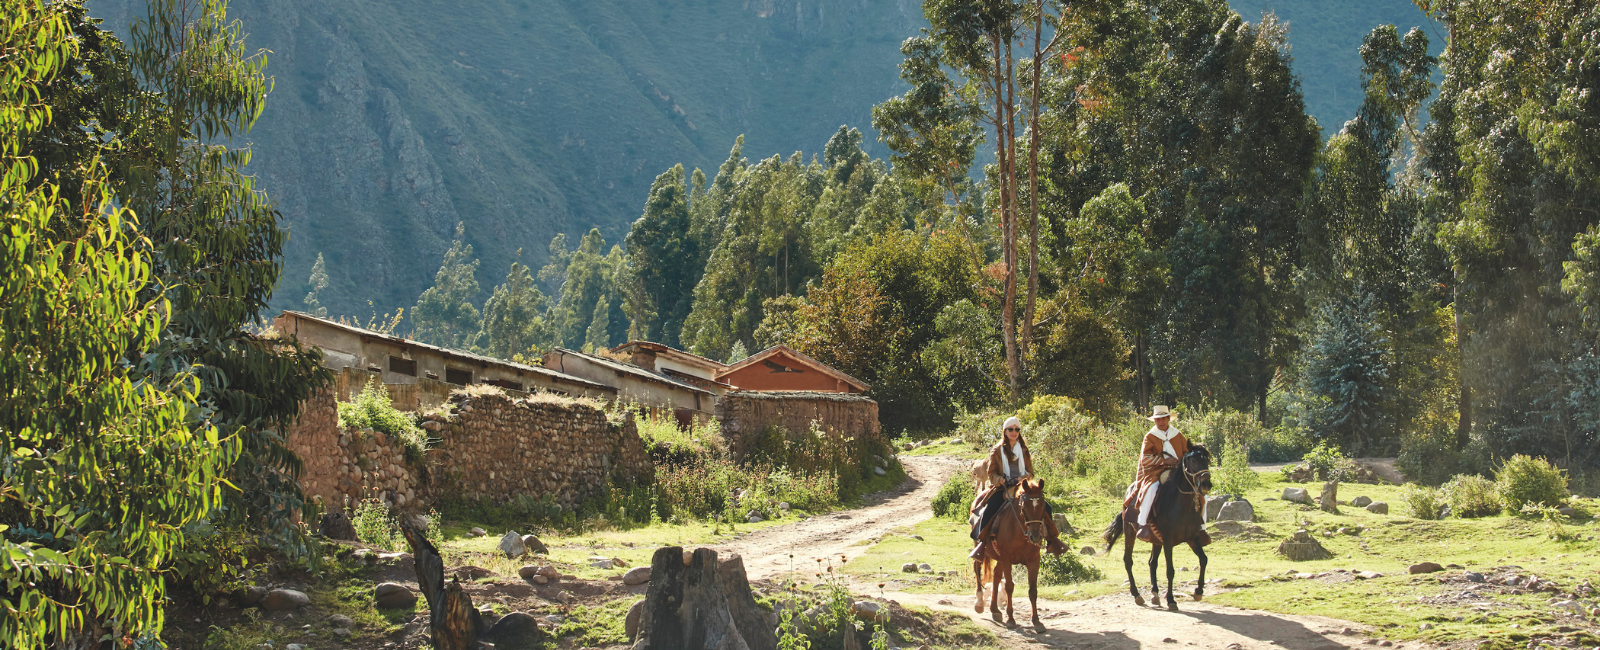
x=909, y=567
x=340, y=620
x=1385, y=643
x=554, y=619
x=392, y=595
x=755, y=518
x=1169, y=640
x=1236, y=528
x=1087, y=550
x=528, y=572
x=925, y=568
x=1297, y=495
x=283, y=600
x=879, y=471
x=1378, y=507
x=1568, y=511
x=1235, y=646
x=534, y=545
x=294, y=646
x=867, y=610
x=783, y=505
x=1425, y=567
x=1214, y=505
x=1302, y=546
x=1360, y=502
x=601, y=563
x=516, y=631
x=1062, y=525
x=1236, y=511
x=1329, y=501
x=335, y=525
x=630, y=625
x=539, y=580
x=250, y=596
x=1425, y=627
x=469, y=573
x=477, y=532
x=636, y=576
x=511, y=544
x=1570, y=605
x=917, y=537
x=1473, y=576
x=342, y=632
x=1369, y=575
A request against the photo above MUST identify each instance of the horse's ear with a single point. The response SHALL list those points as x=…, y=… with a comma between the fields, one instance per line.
x=1038, y=483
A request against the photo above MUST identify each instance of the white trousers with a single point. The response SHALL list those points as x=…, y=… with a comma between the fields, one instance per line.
x=1149, y=500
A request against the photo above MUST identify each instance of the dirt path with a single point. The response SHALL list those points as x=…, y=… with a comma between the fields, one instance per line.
x=767, y=552
x=1108, y=622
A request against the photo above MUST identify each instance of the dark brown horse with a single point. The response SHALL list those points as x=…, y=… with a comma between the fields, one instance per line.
x=1019, y=533
x=1178, y=518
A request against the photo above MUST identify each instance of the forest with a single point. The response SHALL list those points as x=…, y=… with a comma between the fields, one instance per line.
x=1162, y=223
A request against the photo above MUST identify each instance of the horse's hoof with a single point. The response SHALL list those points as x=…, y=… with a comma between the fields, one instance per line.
x=1038, y=626
x=1138, y=600
x=1198, y=595
x=1172, y=605
x=1010, y=624
x=997, y=617
x=978, y=608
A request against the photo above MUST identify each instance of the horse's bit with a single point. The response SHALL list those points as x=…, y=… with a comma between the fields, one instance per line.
x=1027, y=524
x=1194, y=481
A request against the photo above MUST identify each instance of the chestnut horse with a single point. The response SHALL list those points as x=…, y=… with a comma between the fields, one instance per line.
x=1019, y=533
x=1178, y=517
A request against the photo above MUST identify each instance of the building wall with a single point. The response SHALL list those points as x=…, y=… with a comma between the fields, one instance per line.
x=632, y=388
x=744, y=414
x=341, y=467
x=758, y=376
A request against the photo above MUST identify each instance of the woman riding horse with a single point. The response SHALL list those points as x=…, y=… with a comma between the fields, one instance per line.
x=1009, y=464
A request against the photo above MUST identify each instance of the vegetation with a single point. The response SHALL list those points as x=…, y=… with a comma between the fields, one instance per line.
x=1524, y=481
x=1422, y=502
x=1470, y=495
x=372, y=409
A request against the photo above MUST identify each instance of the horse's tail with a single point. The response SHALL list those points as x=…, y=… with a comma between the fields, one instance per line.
x=988, y=571
x=1113, y=531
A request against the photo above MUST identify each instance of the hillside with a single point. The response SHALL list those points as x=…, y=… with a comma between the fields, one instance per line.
x=391, y=121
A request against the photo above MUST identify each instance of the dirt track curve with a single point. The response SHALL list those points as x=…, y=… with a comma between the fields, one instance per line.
x=1106, y=623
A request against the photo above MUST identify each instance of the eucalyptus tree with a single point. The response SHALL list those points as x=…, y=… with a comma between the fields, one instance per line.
x=444, y=314
x=513, y=318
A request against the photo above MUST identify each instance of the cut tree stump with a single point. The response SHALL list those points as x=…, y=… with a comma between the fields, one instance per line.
x=453, y=621
x=696, y=602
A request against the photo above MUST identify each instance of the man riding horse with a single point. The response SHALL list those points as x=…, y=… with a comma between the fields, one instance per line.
x=1009, y=464
x=1164, y=445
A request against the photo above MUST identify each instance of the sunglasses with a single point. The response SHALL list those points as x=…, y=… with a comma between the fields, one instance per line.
x=1013, y=429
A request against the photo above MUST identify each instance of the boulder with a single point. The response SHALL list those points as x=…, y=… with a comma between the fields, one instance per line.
x=511, y=544
x=1065, y=528
x=1302, y=546
x=755, y=518
x=1473, y=576
x=879, y=471
x=909, y=567
x=249, y=596
x=534, y=545
x=335, y=525
x=391, y=595
x=636, y=576
x=1297, y=495
x=515, y=631
x=630, y=625
x=340, y=620
x=688, y=600
x=1237, y=511
x=283, y=600
x=1360, y=502
x=1378, y=507
x=1425, y=567
x=869, y=611
x=1087, y=550
x=1214, y=505
x=477, y=532
x=600, y=563
x=1568, y=511
x=539, y=580
x=924, y=568
x=1329, y=500
x=783, y=505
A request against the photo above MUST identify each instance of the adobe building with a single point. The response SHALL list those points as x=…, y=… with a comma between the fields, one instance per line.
x=689, y=403
x=421, y=376
x=780, y=368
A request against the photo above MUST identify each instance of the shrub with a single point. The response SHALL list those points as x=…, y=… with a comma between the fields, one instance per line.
x=1234, y=476
x=1327, y=463
x=1470, y=495
x=1066, y=568
x=1525, y=480
x=1421, y=502
x=1279, y=445
x=376, y=526
x=954, y=500
x=371, y=409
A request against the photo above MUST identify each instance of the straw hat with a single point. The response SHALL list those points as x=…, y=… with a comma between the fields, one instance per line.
x=1160, y=412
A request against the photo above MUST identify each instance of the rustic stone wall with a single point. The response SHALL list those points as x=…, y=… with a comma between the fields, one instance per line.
x=744, y=414
x=497, y=448
x=493, y=446
x=341, y=467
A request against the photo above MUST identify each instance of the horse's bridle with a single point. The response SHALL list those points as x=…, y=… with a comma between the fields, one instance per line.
x=1194, y=481
x=1027, y=524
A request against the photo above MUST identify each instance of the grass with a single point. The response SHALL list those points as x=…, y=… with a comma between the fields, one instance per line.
x=1257, y=577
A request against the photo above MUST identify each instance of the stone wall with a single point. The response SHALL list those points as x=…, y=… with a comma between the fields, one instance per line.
x=492, y=446
x=497, y=448
x=744, y=414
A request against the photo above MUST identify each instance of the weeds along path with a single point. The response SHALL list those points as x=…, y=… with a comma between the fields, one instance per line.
x=767, y=552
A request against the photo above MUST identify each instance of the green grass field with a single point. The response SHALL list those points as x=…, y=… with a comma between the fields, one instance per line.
x=1254, y=575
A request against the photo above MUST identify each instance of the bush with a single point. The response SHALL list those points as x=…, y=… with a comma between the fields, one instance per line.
x=1525, y=480
x=1421, y=502
x=371, y=409
x=1327, y=463
x=1234, y=476
x=1065, y=569
x=954, y=500
x=1470, y=495
x=1279, y=445
x=376, y=526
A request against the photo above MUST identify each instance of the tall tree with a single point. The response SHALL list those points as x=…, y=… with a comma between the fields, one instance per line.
x=664, y=257
x=513, y=321
x=444, y=314
x=318, y=282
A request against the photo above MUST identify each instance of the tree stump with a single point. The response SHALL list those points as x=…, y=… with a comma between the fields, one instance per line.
x=1329, y=501
x=453, y=621
x=696, y=602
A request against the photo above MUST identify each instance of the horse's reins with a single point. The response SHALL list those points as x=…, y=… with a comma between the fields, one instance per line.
x=1194, y=481
x=1027, y=523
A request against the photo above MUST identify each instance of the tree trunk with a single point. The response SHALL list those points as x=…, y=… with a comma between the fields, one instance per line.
x=1005, y=151
x=452, y=620
x=696, y=602
x=1033, y=182
x=1464, y=406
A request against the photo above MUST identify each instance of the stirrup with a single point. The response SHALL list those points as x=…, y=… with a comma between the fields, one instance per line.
x=977, y=551
x=1145, y=533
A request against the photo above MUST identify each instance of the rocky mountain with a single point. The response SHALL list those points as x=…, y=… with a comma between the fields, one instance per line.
x=390, y=121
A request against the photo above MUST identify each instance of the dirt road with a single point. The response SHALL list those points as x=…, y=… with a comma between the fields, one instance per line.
x=1104, y=623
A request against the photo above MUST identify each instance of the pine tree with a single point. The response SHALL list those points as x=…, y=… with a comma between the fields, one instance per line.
x=444, y=314
x=318, y=282
x=598, y=336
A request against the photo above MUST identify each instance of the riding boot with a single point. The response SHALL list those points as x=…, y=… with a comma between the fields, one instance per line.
x=1145, y=534
x=1054, y=535
x=977, y=551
